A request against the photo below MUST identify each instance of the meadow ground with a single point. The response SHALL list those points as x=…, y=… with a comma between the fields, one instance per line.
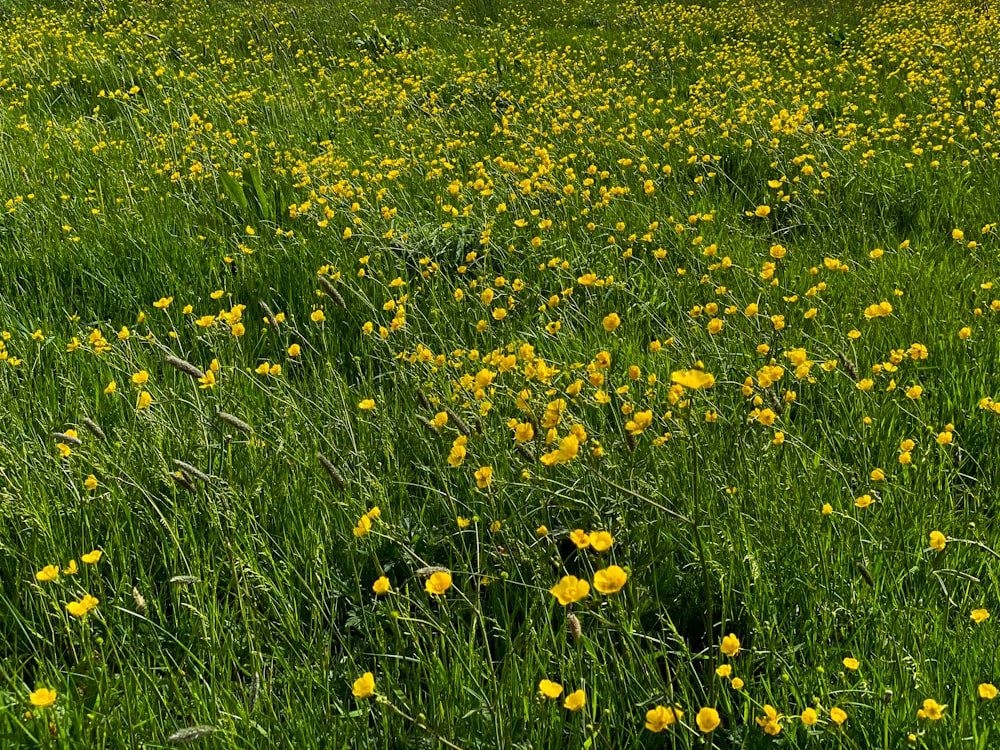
x=503, y=374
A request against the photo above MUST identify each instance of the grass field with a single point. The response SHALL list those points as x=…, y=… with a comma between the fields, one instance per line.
x=508, y=374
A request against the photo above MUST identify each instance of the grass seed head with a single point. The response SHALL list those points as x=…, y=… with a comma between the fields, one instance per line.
x=184, y=366
x=94, y=428
x=234, y=422
x=190, y=734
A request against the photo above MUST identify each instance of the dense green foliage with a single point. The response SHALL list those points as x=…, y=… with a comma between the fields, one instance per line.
x=464, y=264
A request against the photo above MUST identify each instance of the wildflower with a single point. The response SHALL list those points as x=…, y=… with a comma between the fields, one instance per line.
x=979, y=616
x=851, y=663
x=827, y=509
x=366, y=404
x=661, y=717
x=601, y=541
x=570, y=589
x=913, y=392
x=838, y=716
x=317, y=316
x=693, y=379
x=140, y=378
x=364, y=686
x=611, y=322
x=92, y=557
x=809, y=717
x=737, y=683
x=48, y=573
x=937, y=541
x=381, y=585
x=90, y=483
x=82, y=607
x=864, y=501
x=42, y=697
x=610, y=580
x=771, y=721
x=143, y=400
x=163, y=303
x=484, y=476
x=550, y=689
x=580, y=538
x=724, y=670
x=110, y=388
x=987, y=691
x=294, y=350
x=575, y=700
x=932, y=710
x=707, y=720
x=438, y=582
x=207, y=380
x=730, y=645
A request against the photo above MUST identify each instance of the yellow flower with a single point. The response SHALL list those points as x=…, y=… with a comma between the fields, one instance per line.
x=877, y=475
x=238, y=329
x=381, y=585
x=707, y=720
x=932, y=710
x=851, y=663
x=570, y=589
x=163, y=303
x=81, y=607
x=611, y=322
x=914, y=392
x=143, y=401
x=294, y=350
x=864, y=501
x=317, y=316
x=737, y=683
x=838, y=715
x=964, y=333
x=601, y=541
x=809, y=717
x=140, y=377
x=610, y=580
x=580, y=538
x=91, y=557
x=980, y=616
x=367, y=404
x=71, y=569
x=661, y=717
x=827, y=509
x=550, y=689
x=693, y=379
x=762, y=211
x=364, y=686
x=110, y=388
x=207, y=381
x=438, y=582
x=42, y=697
x=937, y=540
x=730, y=645
x=987, y=691
x=484, y=476
x=48, y=573
x=575, y=700
x=770, y=721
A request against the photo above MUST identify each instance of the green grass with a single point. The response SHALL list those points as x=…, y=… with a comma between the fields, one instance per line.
x=215, y=152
